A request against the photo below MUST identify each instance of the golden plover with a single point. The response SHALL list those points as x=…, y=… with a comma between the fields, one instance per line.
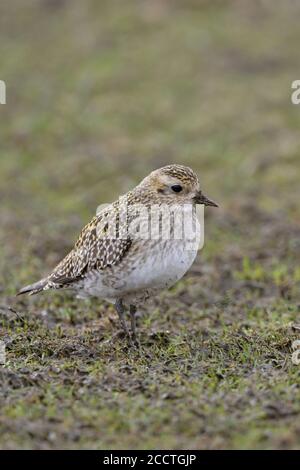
x=131, y=249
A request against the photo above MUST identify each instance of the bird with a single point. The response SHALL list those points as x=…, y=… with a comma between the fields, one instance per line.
x=118, y=258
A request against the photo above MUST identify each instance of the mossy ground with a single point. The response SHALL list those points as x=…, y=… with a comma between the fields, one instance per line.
x=99, y=94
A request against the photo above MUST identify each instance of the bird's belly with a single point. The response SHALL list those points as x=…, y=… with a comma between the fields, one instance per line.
x=161, y=268
x=158, y=268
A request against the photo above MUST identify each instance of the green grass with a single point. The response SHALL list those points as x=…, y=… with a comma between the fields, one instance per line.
x=99, y=94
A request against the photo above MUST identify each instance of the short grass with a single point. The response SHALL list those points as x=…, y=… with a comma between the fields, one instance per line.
x=98, y=94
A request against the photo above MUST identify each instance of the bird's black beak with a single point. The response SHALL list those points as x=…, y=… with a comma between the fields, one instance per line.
x=200, y=198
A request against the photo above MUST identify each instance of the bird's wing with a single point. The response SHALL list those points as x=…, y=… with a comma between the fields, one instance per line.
x=96, y=248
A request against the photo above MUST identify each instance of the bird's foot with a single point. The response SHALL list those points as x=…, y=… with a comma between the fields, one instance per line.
x=135, y=340
x=125, y=335
x=131, y=337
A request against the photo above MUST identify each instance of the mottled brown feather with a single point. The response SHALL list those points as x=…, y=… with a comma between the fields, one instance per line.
x=94, y=249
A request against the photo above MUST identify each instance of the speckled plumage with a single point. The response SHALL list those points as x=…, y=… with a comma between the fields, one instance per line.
x=121, y=266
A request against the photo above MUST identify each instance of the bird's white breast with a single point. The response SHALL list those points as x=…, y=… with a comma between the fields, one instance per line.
x=154, y=265
x=164, y=264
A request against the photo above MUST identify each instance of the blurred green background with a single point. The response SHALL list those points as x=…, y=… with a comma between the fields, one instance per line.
x=99, y=93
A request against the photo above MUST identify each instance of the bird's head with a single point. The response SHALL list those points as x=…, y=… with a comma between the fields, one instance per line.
x=175, y=184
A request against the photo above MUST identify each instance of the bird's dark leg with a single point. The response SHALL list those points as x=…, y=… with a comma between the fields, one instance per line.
x=120, y=310
x=132, y=310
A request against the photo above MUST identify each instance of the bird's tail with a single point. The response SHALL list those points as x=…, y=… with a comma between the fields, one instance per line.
x=34, y=288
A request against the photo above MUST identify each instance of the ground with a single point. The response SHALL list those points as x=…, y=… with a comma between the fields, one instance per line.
x=99, y=94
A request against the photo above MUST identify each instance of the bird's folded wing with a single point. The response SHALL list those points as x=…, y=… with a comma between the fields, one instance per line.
x=96, y=249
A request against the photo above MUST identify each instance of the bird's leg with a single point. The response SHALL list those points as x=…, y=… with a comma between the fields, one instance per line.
x=120, y=310
x=132, y=310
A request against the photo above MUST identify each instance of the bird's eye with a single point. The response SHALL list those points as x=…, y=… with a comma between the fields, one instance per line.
x=176, y=188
